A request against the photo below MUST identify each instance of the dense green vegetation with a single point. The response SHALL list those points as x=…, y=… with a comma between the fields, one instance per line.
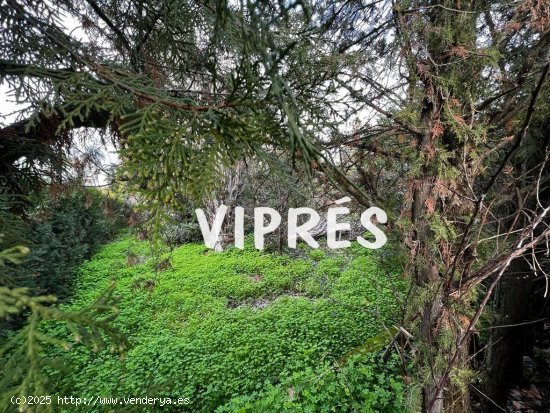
x=61, y=231
x=67, y=229
x=245, y=329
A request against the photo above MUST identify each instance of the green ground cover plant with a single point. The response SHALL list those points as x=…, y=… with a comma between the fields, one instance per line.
x=242, y=331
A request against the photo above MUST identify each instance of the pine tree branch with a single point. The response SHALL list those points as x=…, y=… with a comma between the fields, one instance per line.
x=517, y=143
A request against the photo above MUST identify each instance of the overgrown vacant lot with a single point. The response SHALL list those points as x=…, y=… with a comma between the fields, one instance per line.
x=244, y=330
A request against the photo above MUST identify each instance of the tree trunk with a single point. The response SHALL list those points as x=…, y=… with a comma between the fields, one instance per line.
x=228, y=193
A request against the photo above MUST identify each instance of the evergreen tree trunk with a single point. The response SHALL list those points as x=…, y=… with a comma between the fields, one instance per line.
x=439, y=318
x=426, y=274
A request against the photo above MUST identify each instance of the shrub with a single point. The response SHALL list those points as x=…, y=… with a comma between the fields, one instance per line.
x=66, y=230
x=178, y=233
